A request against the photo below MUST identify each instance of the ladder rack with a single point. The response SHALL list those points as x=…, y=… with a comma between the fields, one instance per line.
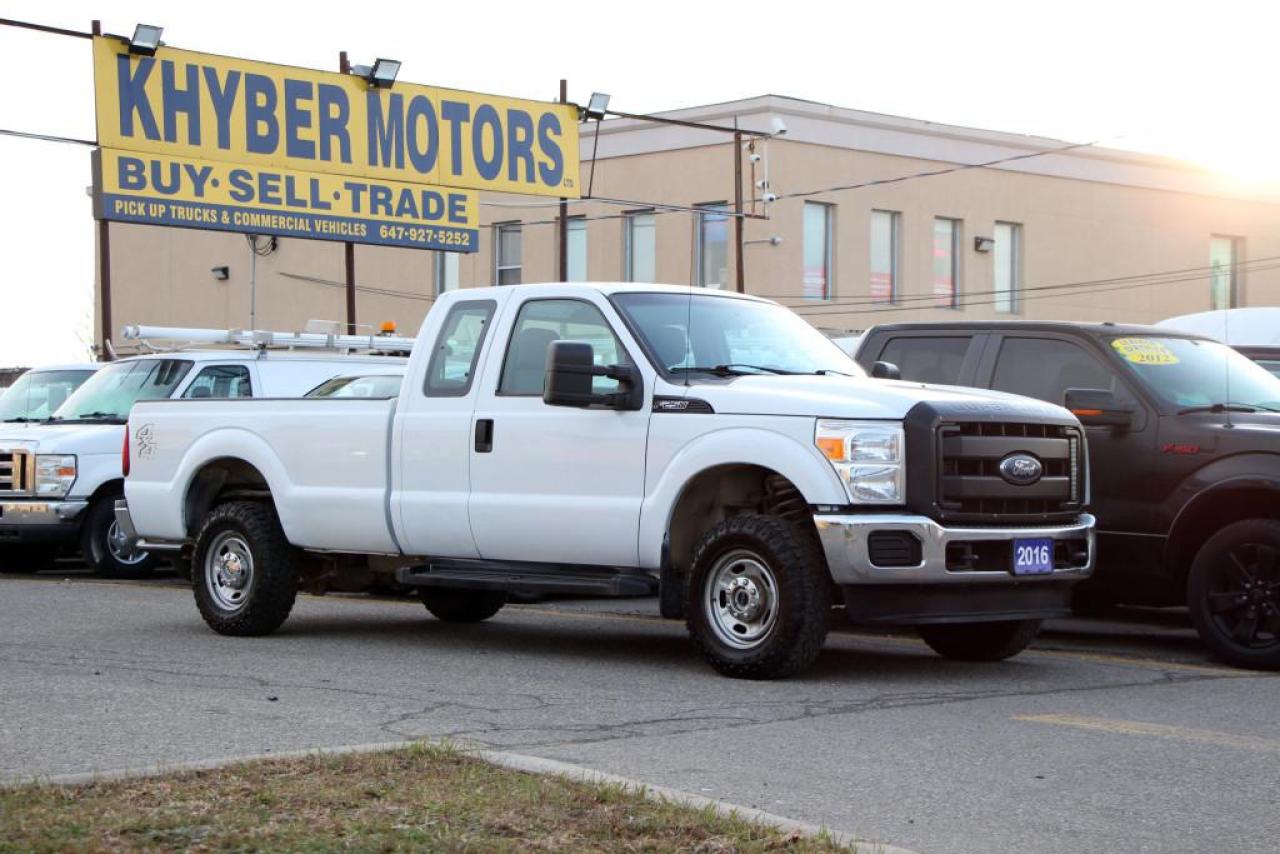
x=262, y=339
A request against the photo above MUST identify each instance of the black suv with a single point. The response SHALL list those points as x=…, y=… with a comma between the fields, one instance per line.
x=1184, y=451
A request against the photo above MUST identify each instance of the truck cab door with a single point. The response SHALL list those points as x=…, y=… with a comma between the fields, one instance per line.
x=1121, y=461
x=557, y=484
x=431, y=436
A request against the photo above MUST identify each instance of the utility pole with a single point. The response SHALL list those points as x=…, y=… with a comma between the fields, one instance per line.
x=741, y=274
x=562, y=224
x=349, y=248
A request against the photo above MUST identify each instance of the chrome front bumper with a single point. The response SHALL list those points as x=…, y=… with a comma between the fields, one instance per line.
x=40, y=513
x=844, y=540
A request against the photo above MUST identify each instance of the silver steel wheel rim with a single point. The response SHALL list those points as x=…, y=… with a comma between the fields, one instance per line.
x=120, y=548
x=228, y=570
x=741, y=600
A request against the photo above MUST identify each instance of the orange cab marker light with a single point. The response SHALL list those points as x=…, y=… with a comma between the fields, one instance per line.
x=1086, y=412
x=388, y=327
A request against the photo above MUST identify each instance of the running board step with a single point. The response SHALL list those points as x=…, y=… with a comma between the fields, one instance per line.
x=534, y=578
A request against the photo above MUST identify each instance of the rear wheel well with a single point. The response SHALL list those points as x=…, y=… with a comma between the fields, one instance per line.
x=1209, y=513
x=220, y=480
x=720, y=493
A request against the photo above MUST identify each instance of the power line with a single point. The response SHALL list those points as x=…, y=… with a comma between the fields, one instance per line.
x=1239, y=266
x=47, y=137
x=389, y=292
x=1017, y=297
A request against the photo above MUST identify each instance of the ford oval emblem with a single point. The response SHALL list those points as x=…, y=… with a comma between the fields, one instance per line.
x=1021, y=469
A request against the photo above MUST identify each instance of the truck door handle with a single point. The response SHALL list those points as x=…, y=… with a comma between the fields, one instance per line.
x=484, y=435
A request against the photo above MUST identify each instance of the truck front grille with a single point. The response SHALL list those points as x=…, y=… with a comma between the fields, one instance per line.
x=971, y=488
x=15, y=472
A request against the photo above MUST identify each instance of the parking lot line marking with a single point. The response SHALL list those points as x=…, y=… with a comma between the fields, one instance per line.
x=1142, y=728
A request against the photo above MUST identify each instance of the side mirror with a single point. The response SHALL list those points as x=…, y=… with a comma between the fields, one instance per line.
x=885, y=371
x=570, y=369
x=1098, y=408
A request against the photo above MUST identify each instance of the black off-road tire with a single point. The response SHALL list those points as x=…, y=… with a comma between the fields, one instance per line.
x=456, y=605
x=1235, y=573
x=802, y=596
x=980, y=641
x=95, y=532
x=272, y=587
x=26, y=559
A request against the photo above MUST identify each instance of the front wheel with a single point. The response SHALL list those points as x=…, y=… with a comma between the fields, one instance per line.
x=106, y=548
x=759, y=598
x=1233, y=592
x=980, y=641
x=245, y=573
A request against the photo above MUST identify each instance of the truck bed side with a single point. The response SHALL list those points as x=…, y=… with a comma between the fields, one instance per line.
x=325, y=462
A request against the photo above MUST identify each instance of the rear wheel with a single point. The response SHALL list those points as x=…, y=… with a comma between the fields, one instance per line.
x=106, y=548
x=1233, y=592
x=245, y=571
x=454, y=605
x=980, y=641
x=26, y=559
x=759, y=598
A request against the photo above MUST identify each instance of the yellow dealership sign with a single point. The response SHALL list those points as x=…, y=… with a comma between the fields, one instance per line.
x=223, y=196
x=315, y=144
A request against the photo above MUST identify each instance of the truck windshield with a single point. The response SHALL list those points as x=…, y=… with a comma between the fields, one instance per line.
x=716, y=335
x=36, y=394
x=112, y=391
x=1192, y=373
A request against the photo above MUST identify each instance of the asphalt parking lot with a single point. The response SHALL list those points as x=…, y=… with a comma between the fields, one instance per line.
x=1117, y=735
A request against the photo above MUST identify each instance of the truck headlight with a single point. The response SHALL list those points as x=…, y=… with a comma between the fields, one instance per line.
x=54, y=475
x=869, y=456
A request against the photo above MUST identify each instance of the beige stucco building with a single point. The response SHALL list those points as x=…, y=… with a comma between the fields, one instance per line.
x=1076, y=233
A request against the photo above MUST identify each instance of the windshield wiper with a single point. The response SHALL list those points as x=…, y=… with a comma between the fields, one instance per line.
x=1227, y=407
x=734, y=369
x=88, y=416
x=825, y=372
x=21, y=419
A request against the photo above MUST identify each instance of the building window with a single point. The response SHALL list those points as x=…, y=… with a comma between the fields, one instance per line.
x=712, y=249
x=640, y=247
x=506, y=253
x=576, y=246
x=884, y=256
x=1008, y=266
x=817, y=250
x=1224, y=271
x=946, y=262
x=447, y=267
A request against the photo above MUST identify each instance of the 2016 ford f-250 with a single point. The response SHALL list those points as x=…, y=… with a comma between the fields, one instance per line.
x=610, y=438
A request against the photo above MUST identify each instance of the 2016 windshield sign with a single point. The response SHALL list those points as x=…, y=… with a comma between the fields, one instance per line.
x=170, y=124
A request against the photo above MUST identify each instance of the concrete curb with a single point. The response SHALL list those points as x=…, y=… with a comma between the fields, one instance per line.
x=501, y=758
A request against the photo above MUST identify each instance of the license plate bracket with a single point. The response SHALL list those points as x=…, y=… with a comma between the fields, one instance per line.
x=1033, y=556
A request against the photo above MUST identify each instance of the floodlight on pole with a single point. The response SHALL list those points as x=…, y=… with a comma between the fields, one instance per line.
x=597, y=106
x=146, y=39
x=381, y=75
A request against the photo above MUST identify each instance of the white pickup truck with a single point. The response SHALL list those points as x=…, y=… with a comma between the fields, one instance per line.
x=616, y=438
x=60, y=474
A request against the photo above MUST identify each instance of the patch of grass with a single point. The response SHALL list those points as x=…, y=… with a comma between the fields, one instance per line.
x=423, y=797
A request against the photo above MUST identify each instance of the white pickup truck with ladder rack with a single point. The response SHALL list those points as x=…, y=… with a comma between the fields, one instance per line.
x=60, y=476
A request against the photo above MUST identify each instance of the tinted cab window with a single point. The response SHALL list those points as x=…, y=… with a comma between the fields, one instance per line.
x=1045, y=368
x=927, y=359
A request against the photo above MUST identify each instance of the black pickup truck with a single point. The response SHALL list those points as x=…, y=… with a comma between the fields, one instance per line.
x=1184, y=451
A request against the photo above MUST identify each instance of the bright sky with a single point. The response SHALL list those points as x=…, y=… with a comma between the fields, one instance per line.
x=1192, y=80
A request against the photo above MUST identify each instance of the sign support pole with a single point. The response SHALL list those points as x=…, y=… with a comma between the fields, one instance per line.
x=562, y=226
x=104, y=267
x=349, y=248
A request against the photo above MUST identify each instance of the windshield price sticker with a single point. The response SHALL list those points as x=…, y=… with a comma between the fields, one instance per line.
x=1144, y=351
